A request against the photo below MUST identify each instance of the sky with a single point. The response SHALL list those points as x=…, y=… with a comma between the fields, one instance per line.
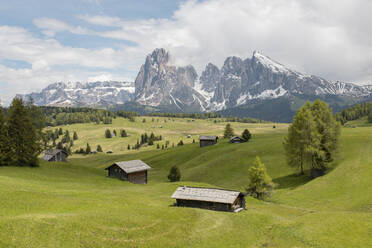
x=44, y=41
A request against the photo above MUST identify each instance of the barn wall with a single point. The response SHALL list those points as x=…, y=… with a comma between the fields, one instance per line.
x=204, y=205
x=138, y=177
x=207, y=143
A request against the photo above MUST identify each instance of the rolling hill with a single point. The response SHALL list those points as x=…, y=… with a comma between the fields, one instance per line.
x=75, y=204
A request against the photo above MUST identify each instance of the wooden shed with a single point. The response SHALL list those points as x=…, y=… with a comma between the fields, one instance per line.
x=237, y=139
x=55, y=155
x=207, y=140
x=209, y=198
x=134, y=171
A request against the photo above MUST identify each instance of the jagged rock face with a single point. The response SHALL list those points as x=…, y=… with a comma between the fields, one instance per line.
x=161, y=84
x=210, y=78
x=79, y=94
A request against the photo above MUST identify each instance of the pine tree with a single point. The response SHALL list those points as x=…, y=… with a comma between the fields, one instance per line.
x=260, y=183
x=174, y=174
x=246, y=135
x=25, y=143
x=75, y=136
x=123, y=133
x=60, y=131
x=99, y=148
x=150, y=143
x=108, y=134
x=88, y=150
x=128, y=147
x=229, y=132
x=4, y=141
x=71, y=143
x=180, y=143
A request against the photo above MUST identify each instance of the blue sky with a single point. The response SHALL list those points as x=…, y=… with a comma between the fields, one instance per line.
x=42, y=41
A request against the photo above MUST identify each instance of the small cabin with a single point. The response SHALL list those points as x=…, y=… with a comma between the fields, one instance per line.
x=207, y=140
x=134, y=171
x=237, y=139
x=55, y=155
x=209, y=198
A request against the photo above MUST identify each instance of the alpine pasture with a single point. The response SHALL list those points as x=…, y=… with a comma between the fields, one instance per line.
x=75, y=204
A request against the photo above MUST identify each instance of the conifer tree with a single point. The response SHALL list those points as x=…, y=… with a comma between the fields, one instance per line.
x=128, y=147
x=302, y=143
x=229, y=132
x=115, y=134
x=99, y=148
x=24, y=141
x=246, y=135
x=88, y=150
x=4, y=141
x=75, y=136
x=174, y=174
x=108, y=134
x=260, y=183
x=60, y=131
x=180, y=143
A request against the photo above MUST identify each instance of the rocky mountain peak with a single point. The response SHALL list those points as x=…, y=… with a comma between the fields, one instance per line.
x=159, y=56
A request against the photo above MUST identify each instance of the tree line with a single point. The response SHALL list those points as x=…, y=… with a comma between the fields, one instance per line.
x=355, y=112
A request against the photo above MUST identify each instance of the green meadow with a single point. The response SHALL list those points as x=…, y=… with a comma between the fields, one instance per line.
x=75, y=204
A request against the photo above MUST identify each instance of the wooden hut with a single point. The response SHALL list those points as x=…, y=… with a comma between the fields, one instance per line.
x=237, y=139
x=207, y=140
x=209, y=198
x=134, y=171
x=55, y=155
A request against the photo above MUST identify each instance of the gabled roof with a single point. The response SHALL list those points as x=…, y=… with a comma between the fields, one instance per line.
x=204, y=137
x=206, y=194
x=131, y=166
x=49, y=154
x=237, y=138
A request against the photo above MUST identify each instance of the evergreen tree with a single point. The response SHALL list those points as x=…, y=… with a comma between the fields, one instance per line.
x=260, y=183
x=99, y=148
x=144, y=120
x=71, y=143
x=174, y=174
x=150, y=143
x=246, y=135
x=229, y=132
x=115, y=134
x=123, y=133
x=158, y=146
x=88, y=150
x=75, y=136
x=24, y=141
x=128, y=147
x=108, y=134
x=60, y=146
x=4, y=141
x=60, y=131
x=180, y=143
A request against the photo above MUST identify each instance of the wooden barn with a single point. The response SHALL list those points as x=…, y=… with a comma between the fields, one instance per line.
x=207, y=140
x=134, y=171
x=237, y=139
x=55, y=155
x=209, y=198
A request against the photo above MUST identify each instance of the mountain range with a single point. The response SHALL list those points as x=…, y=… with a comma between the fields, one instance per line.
x=256, y=87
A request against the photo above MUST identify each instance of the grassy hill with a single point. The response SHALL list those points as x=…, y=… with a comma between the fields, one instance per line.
x=75, y=204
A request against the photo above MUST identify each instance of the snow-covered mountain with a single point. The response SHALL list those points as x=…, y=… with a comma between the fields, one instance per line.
x=83, y=94
x=239, y=82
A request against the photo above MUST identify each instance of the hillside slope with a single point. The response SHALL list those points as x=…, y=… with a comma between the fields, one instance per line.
x=75, y=205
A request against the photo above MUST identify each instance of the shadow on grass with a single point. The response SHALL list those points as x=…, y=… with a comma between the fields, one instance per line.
x=292, y=181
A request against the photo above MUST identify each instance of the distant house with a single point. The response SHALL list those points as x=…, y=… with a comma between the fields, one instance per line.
x=55, y=155
x=209, y=198
x=237, y=139
x=207, y=140
x=134, y=171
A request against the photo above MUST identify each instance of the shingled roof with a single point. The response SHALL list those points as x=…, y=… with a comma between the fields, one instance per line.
x=131, y=166
x=204, y=137
x=206, y=194
x=49, y=154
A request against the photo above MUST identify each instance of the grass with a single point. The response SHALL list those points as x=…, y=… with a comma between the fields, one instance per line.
x=75, y=204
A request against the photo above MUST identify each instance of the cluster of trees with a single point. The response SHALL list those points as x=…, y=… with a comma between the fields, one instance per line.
x=355, y=112
x=109, y=135
x=188, y=115
x=21, y=136
x=229, y=132
x=66, y=142
x=242, y=119
x=312, y=138
x=149, y=139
